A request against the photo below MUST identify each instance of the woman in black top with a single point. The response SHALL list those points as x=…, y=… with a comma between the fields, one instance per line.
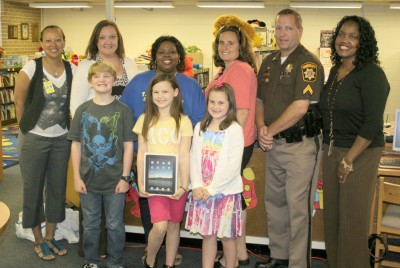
x=352, y=106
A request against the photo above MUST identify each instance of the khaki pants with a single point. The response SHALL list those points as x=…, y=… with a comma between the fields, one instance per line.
x=290, y=182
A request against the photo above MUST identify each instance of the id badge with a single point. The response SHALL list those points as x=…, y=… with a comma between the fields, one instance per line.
x=48, y=87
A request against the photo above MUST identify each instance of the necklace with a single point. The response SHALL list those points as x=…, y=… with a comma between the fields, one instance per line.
x=53, y=71
x=331, y=105
x=330, y=108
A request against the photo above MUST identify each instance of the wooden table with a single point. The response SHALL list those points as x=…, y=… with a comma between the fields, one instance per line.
x=4, y=216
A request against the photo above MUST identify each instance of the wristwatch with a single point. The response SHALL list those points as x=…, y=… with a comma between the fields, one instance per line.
x=128, y=179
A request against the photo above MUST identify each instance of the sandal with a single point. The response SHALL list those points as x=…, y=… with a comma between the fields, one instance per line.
x=56, y=247
x=178, y=259
x=218, y=264
x=149, y=266
x=43, y=251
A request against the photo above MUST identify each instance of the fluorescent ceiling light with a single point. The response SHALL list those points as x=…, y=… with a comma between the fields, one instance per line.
x=143, y=5
x=230, y=4
x=394, y=5
x=326, y=4
x=61, y=5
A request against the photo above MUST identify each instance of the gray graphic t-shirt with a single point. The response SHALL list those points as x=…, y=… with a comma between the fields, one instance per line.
x=102, y=130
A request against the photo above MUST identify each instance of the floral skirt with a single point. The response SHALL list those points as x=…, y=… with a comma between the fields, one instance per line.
x=220, y=216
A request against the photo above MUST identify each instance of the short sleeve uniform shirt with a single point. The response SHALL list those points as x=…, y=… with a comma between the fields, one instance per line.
x=299, y=77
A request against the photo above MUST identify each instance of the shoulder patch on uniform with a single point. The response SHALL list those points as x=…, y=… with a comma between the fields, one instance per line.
x=308, y=89
x=309, y=70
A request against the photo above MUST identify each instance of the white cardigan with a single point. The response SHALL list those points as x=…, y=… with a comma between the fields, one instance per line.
x=226, y=179
x=81, y=90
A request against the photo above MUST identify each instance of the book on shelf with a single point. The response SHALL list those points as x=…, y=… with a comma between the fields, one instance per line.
x=8, y=79
x=8, y=112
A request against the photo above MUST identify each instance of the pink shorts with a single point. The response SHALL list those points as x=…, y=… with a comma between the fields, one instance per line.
x=162, y=208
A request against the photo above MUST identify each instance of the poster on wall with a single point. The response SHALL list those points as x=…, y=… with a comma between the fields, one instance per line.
x=325, y=51
x=12, y=31
x=35, y=32
x=24, y=31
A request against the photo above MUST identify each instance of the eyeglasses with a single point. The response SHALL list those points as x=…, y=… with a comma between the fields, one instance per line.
x=351, y=36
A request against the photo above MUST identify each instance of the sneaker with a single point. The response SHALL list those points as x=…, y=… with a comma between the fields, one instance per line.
x=89, y=265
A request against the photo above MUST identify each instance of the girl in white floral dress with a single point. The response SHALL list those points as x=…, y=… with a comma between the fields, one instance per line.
x=215, y=161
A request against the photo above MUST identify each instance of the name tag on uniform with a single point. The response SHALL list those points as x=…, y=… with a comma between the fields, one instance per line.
x=48, y=87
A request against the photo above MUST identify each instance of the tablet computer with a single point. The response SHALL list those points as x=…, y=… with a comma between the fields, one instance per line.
x=160, y=173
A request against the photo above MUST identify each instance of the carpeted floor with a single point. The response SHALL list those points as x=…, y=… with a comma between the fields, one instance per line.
x=9, y=142
x=19, y=253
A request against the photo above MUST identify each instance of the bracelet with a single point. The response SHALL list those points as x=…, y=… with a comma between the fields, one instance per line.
x=183, y=188
x=346, y=166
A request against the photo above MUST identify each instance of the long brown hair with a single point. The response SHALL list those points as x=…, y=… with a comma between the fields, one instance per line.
x=246, y=53
x=151, y=113
x=92, y=49
x=230, y=115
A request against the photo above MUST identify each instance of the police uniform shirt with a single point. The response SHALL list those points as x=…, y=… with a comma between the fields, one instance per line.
x=300, y=77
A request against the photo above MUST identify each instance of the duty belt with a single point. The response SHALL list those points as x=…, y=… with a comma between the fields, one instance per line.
x=287, y=133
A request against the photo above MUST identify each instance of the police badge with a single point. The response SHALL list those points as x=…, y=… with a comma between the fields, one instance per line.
x=309, y=71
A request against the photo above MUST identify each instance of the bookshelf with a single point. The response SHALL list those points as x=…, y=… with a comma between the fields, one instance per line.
x=7, y=84
x=202, y=76
x=267, y=44
x=261, y=53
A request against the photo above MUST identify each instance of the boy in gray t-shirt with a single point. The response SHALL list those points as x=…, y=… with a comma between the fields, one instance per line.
x=102, y=153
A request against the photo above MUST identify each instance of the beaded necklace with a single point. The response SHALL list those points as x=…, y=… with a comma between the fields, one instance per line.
x=330, y=108
x=331, y=105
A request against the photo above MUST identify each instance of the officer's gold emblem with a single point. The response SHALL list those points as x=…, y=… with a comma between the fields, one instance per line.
x=308, y=89
x=289, y=68
x=309, y=72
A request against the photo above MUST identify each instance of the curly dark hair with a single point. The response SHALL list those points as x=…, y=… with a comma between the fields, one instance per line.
x=367, y=51
x=92, y=49
x=179, y=47
x=246, y=53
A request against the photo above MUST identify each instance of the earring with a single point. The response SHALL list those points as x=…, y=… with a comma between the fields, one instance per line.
x=179, y=61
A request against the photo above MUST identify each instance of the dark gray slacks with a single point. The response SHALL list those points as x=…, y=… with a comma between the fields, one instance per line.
x=44, y=164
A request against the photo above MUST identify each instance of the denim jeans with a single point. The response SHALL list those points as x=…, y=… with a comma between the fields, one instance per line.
x=114, y=205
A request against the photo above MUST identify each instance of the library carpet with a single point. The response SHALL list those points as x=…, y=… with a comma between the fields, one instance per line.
x=9, y=142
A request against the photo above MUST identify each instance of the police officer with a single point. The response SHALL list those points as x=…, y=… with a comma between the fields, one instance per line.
x=289, y=83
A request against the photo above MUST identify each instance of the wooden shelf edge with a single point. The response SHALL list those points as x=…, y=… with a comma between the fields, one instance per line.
x=8, y=121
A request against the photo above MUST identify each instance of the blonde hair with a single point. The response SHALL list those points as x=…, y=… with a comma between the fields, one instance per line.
x=101, y=67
